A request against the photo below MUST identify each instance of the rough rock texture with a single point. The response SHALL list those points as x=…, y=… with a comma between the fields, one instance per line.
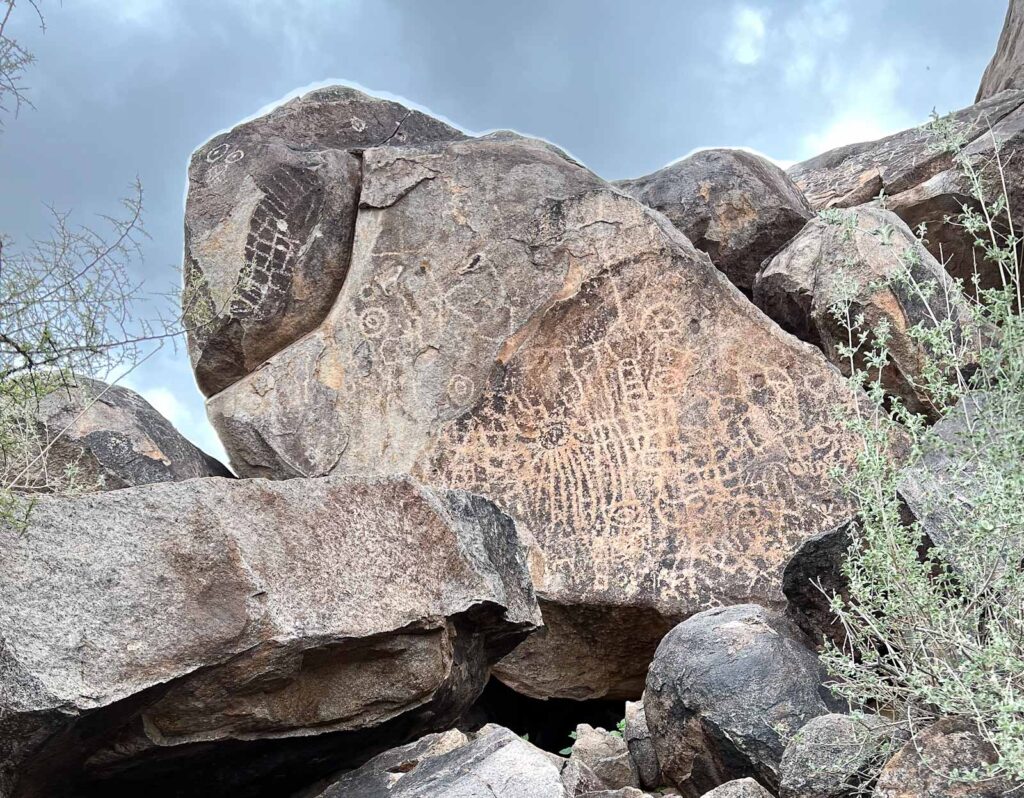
x=973, y=441
x=512, y=325
x=269, y=220
x=738, y=207
x=114, y=439
x=494, y=764
x=136, y=623
x=726, y=688
x=812, y=576
x=1006, y=70
x=740, y=788
x=920, y=181
x=922, y=767
x=641, y=746
x=833, y=756
x=861, y=255
x=606, y=755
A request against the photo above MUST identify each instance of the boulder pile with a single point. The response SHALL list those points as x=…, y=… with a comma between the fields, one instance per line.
x=492, y=418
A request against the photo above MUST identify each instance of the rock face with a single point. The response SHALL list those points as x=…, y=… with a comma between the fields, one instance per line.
x=869, y=257
x=494, y=764
x=606, y=755
x=114, y=439
x=921, y=183
x=269, y=221
x=833, y=756
x=923, y=766
x=641, y=746
x=151, y=624
x=1006, y=70
x=740, y=788
x=724, y=691
x=511, y=325
x=738, y=207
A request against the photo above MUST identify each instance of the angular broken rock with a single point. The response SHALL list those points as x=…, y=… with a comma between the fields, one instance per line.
x=735, y=205
x=513, y=326
x=641, y=746
x=110, y=437
x=1006, y=69
x=833, y=756
x=921, y=183
x=606, y=755
x=739, y=788
x=174, y=621
x=725, y=690
x=868, y=257
x=269, y=220
x=812, y=577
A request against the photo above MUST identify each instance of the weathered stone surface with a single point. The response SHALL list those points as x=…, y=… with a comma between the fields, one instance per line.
x=869, y=257
x=923, y=767
x=739, y=788
x=511, y=325
x=606, y=755
x=813, y=575
x=151, y=623
x=833, y=756
x=494, y=764
x=738, y=207
x=1006, y=69
x=970, y=450
x=725, y=690
x=112, y=438
x=641, y=746
x=269, y=218
x=921, y=183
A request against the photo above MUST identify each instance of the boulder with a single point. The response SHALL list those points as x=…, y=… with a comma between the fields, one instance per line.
x=926, y=766
x=725, y=691
x=197, y=636
x=495, y=763
x=735, y=205
x=739, y=788
x=606, y=755
x=868, y=257
x=641, y=746
x=833, y=756
x=269, y=220
x=920, y=181
x=813, y=575
x=110, y=437
x=1006, y=69
x=513, y=326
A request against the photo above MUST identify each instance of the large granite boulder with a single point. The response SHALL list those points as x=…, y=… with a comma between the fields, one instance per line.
x=103, y=437
x=735, y=205
x=727, y=688
x=834, y=756
x=269, y=220
x=868, y=260
x=1006, y=69
x=922, y=184
x=513, y=326
x=186, y=638
x=929, y=765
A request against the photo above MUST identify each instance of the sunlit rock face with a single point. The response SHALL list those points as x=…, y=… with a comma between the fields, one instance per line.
x=1006, y=69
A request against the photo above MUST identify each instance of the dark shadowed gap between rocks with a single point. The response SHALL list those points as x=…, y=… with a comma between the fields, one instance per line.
x=546, y=722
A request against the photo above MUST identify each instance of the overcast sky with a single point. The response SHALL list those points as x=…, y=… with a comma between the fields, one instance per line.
x=131, y=87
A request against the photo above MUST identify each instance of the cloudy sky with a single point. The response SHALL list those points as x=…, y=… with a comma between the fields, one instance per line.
x=127, y=88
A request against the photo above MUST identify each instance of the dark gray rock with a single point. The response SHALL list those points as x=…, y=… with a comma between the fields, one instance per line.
x=833, y=756
x=813, y=575
x=1006, y=69
x=740, y=788
x=606, y=755
x=226, y=626
x=269, y=223
x=725, y=691
x=738, y=207
x=641, y=746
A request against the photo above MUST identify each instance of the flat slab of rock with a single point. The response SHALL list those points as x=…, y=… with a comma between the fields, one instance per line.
x=1006, y=69
x=157, y=622
x=268, y=223
x=735, y=205
x=511, y=325
x=725, y=690
x=112, y=438
x=868, y=257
